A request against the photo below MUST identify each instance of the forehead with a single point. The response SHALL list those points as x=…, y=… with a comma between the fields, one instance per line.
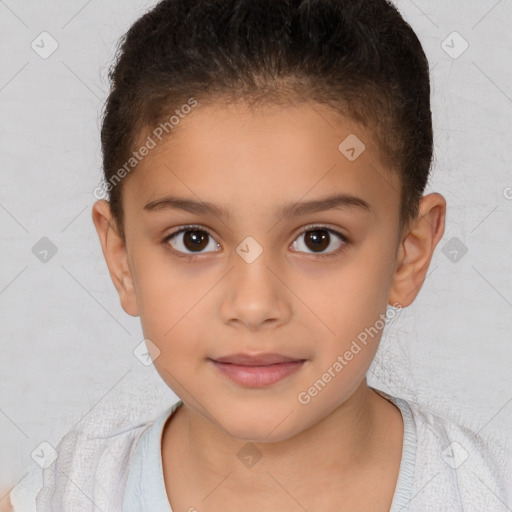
x=238, y=156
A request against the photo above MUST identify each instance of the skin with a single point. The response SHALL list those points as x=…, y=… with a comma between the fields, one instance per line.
x=342, y=450
x=5, y=503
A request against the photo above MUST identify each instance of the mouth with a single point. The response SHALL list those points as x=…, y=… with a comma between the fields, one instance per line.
x=257, y=371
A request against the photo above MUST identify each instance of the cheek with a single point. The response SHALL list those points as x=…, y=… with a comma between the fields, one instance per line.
x=164, y=294
x=170, y=308
x=348, y=304
x=351, y=296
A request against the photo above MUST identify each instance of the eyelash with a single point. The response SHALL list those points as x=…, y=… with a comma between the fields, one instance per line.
x=313, y=227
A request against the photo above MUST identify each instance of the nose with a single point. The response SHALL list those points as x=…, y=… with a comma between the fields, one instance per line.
x=255, y=295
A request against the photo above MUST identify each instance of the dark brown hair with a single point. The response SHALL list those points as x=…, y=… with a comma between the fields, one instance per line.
x=359, y=57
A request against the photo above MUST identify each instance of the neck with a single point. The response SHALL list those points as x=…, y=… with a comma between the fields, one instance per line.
x=344, y=444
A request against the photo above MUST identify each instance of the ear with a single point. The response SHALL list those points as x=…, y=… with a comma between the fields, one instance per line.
x=416, y=249
x=114, y=251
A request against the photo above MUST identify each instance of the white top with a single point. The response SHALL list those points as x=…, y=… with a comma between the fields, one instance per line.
x=444, y=466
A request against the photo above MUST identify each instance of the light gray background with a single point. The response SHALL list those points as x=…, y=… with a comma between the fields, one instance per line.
x=66, y=344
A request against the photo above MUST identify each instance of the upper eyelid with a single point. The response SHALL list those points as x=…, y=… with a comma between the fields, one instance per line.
x=308, y=227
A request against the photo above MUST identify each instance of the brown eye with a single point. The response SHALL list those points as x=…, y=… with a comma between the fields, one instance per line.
x=190, y=240
x=318, y=239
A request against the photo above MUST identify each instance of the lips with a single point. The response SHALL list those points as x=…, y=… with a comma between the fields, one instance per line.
x=257, y=371
x=256, y=360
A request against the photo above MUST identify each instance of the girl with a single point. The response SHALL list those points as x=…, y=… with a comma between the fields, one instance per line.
x=265, y=163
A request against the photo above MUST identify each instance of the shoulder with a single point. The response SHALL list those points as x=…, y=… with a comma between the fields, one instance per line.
x=452, y=457
x=90, y=471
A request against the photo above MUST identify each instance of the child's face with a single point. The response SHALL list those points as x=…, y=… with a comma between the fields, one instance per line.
x=205, y=298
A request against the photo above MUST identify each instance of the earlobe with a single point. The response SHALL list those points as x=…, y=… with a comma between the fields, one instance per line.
x=417, y=248
x=115, y=254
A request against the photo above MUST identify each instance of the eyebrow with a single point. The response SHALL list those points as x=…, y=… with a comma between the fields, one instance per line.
x=333, y=202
